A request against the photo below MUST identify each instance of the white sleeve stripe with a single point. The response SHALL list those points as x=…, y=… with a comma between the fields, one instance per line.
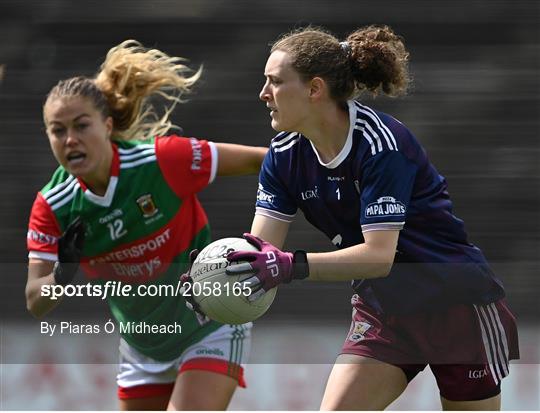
x=51, y=192
x=274, y=214
x=373, y=133
x=383, y=226
x=368, y=138
x=284, y=140
x=46, y=256
x=284, y=148
x=214, y=160
x=58, y=195
x=137, y=155
x=122, y=151
x=67, y=198
x=373, y=116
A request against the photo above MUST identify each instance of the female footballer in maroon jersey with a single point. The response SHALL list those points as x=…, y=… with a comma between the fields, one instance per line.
x=424, y=294
x=123, y=204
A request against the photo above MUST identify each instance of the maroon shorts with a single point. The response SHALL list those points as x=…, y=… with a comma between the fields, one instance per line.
x=467, y=346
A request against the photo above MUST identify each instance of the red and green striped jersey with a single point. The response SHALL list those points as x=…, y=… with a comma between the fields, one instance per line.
x=139, y=232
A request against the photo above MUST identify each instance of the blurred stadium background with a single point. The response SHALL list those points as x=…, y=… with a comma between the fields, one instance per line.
x=474, y=106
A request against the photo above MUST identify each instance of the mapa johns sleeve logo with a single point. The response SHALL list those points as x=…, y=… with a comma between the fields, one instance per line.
x=386, y=206
x=264, y=197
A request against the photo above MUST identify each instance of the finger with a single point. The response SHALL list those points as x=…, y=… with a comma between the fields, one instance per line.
x=193, y=255
x=256, y=295
x=71, y=229
x=253, y=240
x=79, y=236
x=239, y=269
x=186, y=278
x=241, y=256
x=253, y=283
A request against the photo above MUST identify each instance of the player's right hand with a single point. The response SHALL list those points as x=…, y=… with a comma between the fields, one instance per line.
x=70, y=246
x=187, y=293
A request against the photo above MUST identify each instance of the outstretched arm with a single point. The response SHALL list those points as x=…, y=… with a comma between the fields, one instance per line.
x=239, y=159
x=372, y=259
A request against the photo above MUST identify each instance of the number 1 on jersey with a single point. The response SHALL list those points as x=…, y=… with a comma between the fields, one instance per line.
x=338, y=194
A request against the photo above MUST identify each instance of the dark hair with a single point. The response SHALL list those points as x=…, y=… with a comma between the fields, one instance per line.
x=128, y=76
x=372, y=59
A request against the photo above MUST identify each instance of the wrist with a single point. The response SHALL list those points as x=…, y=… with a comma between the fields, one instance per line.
x=300, y=265
x=62, y=274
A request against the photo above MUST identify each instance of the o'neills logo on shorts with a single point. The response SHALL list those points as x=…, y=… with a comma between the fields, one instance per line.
x=385, y=206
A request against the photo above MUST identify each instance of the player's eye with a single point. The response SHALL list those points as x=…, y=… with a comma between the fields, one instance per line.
x=57, y=131
x=81, y=126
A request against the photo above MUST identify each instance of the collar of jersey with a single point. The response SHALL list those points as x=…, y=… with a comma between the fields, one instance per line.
x=340, y=157
x=105, y=200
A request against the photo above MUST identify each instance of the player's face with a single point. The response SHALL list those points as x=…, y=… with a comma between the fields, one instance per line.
x=79, y=136
x=285, y=94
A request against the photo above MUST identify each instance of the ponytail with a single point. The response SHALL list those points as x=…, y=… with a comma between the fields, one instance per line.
x=128, y=78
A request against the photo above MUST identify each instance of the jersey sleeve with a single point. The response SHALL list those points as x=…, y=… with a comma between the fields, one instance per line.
x=385, y=191
x=188, y=164
x=43, y=231
x=273, y=199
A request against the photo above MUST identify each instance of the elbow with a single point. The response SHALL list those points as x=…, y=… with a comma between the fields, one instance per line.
x=32, y=305
x=383, y=269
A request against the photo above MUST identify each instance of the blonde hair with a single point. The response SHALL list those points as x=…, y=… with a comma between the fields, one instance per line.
x=128, y=78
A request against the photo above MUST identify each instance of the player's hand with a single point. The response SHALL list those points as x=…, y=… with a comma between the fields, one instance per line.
x=70, y=246
x=187, y=292
x=270, y=266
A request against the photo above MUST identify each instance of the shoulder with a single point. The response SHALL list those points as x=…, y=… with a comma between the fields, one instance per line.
x=60, y=189
x=284, y=141
x=135, y=152
x=377, y=132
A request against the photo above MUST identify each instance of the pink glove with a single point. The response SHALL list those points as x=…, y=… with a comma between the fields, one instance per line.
x=270, y=266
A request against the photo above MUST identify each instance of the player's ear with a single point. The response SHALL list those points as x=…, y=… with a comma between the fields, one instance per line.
x=109, y=126
x=317, y=88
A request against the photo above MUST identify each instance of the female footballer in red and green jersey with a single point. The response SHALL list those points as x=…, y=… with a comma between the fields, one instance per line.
x=123, y=205
x=424, y=294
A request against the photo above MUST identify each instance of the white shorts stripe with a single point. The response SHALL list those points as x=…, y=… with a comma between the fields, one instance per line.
x=486, y=345
x=497, y=327
x=495, y=341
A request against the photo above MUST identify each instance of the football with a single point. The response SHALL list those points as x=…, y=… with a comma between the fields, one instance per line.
x=223, y=297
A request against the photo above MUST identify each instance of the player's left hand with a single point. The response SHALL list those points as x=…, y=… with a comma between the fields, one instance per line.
x=270, y=266
x=187, y=292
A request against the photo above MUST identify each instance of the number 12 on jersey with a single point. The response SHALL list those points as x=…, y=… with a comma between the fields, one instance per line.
x=116, y=229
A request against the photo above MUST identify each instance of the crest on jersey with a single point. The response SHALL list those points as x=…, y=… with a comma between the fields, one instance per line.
x=358, y=331
x=147, y=205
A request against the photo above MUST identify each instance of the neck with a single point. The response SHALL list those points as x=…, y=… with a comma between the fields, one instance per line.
x=98, y=181
x=328, y=132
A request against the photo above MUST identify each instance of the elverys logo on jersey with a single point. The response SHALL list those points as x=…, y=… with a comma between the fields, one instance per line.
x=147, y=205
x=264, y=197
x=384, y=207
